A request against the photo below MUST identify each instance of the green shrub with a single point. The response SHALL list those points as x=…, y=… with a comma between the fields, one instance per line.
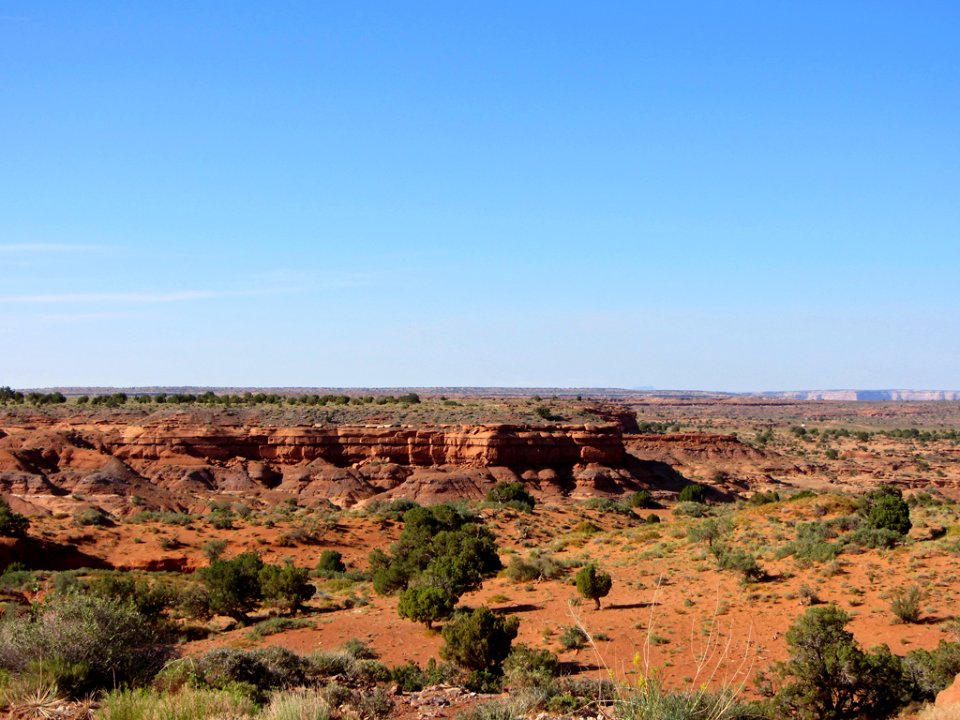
x=926, y=499
x=330, y=564
x=214, y=549
x=930, y=671
x=545, y=413
x=83, y=643
x=585, y=527
x=652, y=701
x=369, y=672
x=275, y=625
x=194, y=602
x=890, y=513
x=643, y=499
x=17, y=578
x=527, y=667
x=261, y=670
x=512, y=494
x=92, y=516
x=233, y=586
x=409, y=677
x=811, y=545
x=390, y=510
x=359, y=650
x=573, y=638
x=162, y=516
x=375, y=704
x=286, y=586
x=764, y=498
x=829, y=677
x=221, y=520
x=488, y=681
x=426, y=604
x=327, y=663
x=606, y=505
x=12, y=524
x=708, y=531
x=693, y=493
x=538, y=565
x=691, y=509
x=440, y=547
x=66, y=581
x=808, y=596
x=151, y=599
x=593, y=584
x=871, y=537
x=885, y=509
x=905, y=603
x=740, y=561
x=479, y=639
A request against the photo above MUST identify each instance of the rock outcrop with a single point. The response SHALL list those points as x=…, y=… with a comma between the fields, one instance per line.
x=176, y=462
x=476, y=446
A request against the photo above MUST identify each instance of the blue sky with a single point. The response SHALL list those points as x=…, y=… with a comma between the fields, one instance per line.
x=700, y=195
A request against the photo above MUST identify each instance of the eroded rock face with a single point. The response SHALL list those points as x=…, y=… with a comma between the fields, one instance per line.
x=479, y=446
x=172, y=460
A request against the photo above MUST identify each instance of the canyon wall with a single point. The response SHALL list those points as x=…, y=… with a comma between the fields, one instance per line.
x=176, y=462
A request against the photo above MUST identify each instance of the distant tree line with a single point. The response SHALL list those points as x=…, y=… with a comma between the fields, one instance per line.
x=8, y=396
x=913, y=433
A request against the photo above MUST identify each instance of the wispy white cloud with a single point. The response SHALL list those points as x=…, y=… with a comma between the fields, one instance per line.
x=32, y=248
x=307, y=277
x=137, y=297
x=67, y=318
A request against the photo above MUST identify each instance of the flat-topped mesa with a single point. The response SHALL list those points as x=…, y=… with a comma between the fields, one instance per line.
x=477, y=446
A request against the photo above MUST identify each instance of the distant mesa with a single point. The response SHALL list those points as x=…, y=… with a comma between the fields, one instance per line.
x=869, y=395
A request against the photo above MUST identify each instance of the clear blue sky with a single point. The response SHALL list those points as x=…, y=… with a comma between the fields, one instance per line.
x=702, y=195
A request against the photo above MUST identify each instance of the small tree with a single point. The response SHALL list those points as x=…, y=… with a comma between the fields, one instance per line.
x=440, y=547
x=427, y=604
x=233, y=585
x=479, y=640
x=12, y=524
x=593, y=584
x=287, y=586
x=887, y=510
x=829, y=677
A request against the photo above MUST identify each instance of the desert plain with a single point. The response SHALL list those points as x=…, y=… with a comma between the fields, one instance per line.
x=156, y=490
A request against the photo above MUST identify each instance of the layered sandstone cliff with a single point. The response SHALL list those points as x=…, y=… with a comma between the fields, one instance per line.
x=479, y=446
x=177, y=461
